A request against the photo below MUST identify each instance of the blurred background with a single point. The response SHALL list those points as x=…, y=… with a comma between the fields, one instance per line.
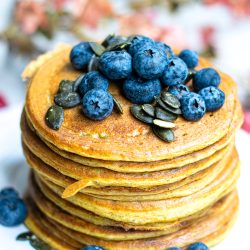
x=217, y=29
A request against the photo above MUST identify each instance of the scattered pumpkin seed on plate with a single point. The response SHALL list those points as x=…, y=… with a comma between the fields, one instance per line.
x=149, y=109
x=54, y=117
x=67, y=99
x=138, y=113
x=163, y=133
x=163, y=124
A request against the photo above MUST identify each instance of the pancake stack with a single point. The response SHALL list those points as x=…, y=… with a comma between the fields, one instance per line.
x=113, y=183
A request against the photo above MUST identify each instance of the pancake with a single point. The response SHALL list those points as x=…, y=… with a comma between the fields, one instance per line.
x=209, y=229
x=143, y=212
x=120, y=137
x=129, y=167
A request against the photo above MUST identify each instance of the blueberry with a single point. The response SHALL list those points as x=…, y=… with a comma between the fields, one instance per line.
x=92, y=248
x=92, y=80
x=175, y=72
x=150, y=63
x=80, y=55
x=214, y=98
x=198, y=246
x=141, y=91
x=13, y=211
x=138, y=42
x=174, y=248
x=192, y=106
x=97, y=104
x=8, y=192
x=206, y=77
x=190, y=57
x=178, y=90
x=167, y=49
x=116, y=65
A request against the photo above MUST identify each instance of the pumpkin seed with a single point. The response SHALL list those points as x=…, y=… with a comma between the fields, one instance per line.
x=67, y=99
x=97, y=48
x=77, y=82
x=106, y=41
x=39, y=245
x=118, y=105
x=54, y=117
x=118, y=45
x=163, y=124
x=164, y=133
x=138, y=113
x=149, y=109
x=167, y=108
x=93, y=63
x=191, y=73
x=65, y=86
x=25, y=236
x=165, y=115
x=170, y=99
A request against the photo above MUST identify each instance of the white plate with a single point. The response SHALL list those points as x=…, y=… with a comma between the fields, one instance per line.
x=14, y=172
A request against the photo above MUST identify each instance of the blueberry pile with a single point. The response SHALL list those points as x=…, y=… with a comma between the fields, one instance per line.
x=143, y=69
x=13, y=210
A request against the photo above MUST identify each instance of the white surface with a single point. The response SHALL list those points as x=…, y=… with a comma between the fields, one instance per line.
x=14, y=171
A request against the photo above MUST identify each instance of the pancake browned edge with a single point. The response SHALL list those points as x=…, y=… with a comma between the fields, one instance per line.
x=211, y=228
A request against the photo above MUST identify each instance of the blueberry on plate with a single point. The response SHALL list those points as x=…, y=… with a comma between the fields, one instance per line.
x=80, y=55
x=174, y=248
x=116, y=65
x=8, y=192
x=175, y=72
x=141, y=91
x=92, y=80
x=150, y=63
x=97, y=104
x=13, y=211
x=138, y=42
x=92, y=248
x=190, y=57
x=193, y=107
x=167, y=49
x=178, y=90
x=206, y=77
x=198, y=246
x=214, y=98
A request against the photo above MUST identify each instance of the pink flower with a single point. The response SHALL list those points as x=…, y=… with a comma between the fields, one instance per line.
x=246, y=124
x=3, y=102
x=90, y=12
x=59, y=4
x=239, y=7
x=30, y=15
x=207, y=35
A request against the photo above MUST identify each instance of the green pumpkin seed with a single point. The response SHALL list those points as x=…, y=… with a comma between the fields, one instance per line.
x=106, y=41
x=118, y=105
x=39, y=245
x=170, y=99
x=67, y=99
x=66, y=86
x=167, y=108
x=97, y=48
x=165, y=115
x=119, y=45
x=54, y=117
x=163, y=124
x=149, y=109
x=164, y=133
x=25, y=236
x=191, y=73
x=93, y=63
x=77, y=82
x=138, y=113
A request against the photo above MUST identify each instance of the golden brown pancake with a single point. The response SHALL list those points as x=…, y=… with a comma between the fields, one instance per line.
x=120, y=137
x=209, y=229
x=129, y=167
x=143, y=212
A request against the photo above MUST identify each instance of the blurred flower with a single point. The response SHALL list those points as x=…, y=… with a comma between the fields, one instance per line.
x=90, y=12
x=240, y=7
x=30, y=15
x=246, y=124
x=58, y=4
x=207, y=35
x=3, y=102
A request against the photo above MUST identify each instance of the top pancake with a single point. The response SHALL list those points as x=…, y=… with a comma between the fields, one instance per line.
x=119, y=137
